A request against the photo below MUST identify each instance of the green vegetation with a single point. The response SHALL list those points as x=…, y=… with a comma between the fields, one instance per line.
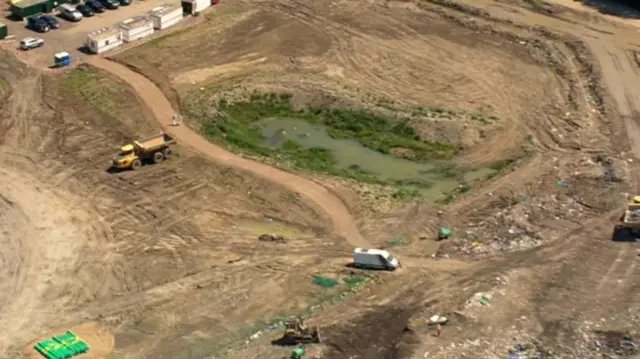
x=504, y=164
x=398, y=241
x=405, y=193
x=451, y=196
x=236, y=124
x=90, y=84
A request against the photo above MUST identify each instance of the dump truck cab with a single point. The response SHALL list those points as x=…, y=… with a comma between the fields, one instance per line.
x=125, y=157
x=155, y=148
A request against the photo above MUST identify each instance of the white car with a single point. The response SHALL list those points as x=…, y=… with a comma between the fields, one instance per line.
x=31, y=43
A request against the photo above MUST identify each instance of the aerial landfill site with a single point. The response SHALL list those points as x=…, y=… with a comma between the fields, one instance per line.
x=343, y=179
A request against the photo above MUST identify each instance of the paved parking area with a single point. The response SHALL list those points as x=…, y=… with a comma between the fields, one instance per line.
x=70, y=36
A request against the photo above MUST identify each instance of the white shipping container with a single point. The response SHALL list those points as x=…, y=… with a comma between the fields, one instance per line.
x=166, y=16
x=200, y=5
x=103, y=40
x=136, y=28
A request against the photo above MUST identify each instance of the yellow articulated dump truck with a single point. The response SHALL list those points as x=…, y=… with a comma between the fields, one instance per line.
x=155, y=149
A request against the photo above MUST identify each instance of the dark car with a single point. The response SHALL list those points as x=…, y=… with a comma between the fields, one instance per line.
x=85, y=10
x=37, y=24
x=96, y=6
x=110, y=4
x=51, y=21
x=125, y=2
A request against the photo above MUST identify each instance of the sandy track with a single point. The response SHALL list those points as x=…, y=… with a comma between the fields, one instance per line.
x=343, y=222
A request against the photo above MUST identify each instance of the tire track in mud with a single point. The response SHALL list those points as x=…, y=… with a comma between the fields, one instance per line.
x=344, y=223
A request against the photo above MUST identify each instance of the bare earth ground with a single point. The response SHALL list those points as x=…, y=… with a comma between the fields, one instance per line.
x=82, y=244
x=166, y=259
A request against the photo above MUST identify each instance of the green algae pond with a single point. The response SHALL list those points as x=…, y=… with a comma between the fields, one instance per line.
x=350, y=154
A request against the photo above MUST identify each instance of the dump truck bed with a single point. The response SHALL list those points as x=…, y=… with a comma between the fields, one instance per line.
x=155, y=142
x=631, y=218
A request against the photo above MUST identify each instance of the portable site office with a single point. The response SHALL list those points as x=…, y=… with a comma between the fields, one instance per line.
x=165, y=16
x=136, y=28
x=103, y=40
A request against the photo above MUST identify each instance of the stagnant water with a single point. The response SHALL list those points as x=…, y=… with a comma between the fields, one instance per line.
x=350, y=152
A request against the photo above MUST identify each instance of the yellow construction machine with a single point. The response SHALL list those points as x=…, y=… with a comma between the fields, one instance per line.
x=296, y=332
x=155, y=148
x=628, y=228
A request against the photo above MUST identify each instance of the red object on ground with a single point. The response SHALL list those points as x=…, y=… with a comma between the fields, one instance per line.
x=215, y=2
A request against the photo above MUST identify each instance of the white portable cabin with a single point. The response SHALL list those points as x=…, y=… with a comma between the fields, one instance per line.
x=136, y=28
x=193, y=6
x=374, y=259
x=103, y=40
x=165, y=16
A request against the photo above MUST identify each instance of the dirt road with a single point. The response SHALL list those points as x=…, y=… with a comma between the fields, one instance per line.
x=344, y=224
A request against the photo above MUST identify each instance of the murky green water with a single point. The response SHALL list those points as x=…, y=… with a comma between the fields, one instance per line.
x=348, y=153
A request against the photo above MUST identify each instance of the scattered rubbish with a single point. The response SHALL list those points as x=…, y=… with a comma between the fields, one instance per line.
x=324, y=282
x=438, y=319
x=444, y=233
x=62, y=346
x=297, y=353
x=484, y=300
x=561, y=184
x=398, y=241
x=272, y=238
x=476, y=244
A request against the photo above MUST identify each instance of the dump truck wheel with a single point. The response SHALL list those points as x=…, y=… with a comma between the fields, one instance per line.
x=136, y=164
x=167, y=153
x=158, y=157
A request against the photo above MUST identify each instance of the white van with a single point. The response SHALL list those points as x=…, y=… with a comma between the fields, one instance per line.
x=374, y=259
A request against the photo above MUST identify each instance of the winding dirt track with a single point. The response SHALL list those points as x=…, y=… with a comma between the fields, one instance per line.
x=343, y=222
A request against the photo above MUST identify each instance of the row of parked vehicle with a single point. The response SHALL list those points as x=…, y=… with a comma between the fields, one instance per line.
x=44, y=23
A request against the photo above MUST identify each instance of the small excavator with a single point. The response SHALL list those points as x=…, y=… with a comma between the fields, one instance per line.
x=296, y=332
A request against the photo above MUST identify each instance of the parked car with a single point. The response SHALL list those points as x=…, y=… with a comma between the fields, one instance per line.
x=37, y=24
x=30, y=43
x=110, y=4
x=85, y=10
x=51, y=21
x=96, y=6
x=70, y=13
x=125, y=2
